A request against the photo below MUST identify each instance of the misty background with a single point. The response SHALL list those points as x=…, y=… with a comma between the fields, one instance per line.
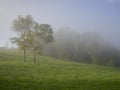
x=99, y=16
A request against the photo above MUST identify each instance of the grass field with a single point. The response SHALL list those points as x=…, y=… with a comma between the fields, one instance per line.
x=54, y=74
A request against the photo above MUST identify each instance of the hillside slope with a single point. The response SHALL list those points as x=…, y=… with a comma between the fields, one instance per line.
x=54, y=74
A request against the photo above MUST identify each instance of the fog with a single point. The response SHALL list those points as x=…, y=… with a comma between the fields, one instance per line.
x=93, y=26
x=101, y=16
x=88, y=47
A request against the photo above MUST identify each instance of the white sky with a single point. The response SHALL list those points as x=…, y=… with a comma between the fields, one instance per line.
x=102, y=16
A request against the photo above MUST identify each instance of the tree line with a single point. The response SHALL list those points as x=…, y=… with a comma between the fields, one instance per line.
x=69, y=45
x=31, y=35
x=88, y=47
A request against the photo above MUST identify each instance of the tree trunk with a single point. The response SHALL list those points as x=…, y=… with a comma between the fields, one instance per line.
x=24, y=48
x=34, y=57
x=24, y=57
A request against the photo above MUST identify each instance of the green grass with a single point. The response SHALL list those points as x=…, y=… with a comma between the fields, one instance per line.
x=54, y=74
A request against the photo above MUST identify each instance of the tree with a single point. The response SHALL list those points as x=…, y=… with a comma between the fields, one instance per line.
x=39, y=36
x=22, y=25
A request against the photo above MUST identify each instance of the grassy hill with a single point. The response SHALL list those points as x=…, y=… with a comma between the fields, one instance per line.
x=54, y=74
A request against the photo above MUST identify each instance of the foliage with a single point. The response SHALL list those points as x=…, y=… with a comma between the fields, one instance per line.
x=31, y=35
x=21, y=26
x=86, y=48
x=38, y=37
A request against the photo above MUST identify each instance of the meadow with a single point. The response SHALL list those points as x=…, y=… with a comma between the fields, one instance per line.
x=54, y=74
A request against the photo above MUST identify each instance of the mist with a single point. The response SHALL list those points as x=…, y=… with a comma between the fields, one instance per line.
x=59, y=45
x=101, y=16
x=93, y=27
x=88, y=47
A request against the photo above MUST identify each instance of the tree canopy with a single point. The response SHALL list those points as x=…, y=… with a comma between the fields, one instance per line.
x=31, y=35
